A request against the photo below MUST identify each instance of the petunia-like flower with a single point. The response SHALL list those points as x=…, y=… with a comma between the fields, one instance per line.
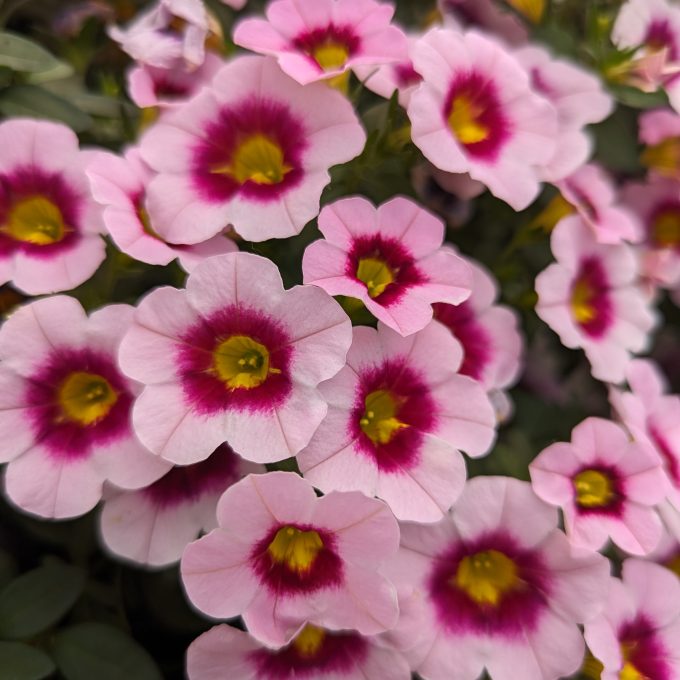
x=153, y=525
x=606, y=485
x=391, y=258
x=475, y=112
x=579, y=100
x=119, y=183
x=495, y=585
x=65, y=408
x=398, y=413
x=225, y=652
x=636, y=635
x=233, y=358
x=320, y=39
x=660, y=132
x=252, y=151
x=50, y=234
x=294, y=559
x=591, y=299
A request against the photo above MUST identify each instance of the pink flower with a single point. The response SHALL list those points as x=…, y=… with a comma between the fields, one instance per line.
x=119, y=183
x=319, y=39
x=50, y=236
x=152, y=526
x=65, y=408
x=606, y=486
x=495, y=585
x=579, y=100
x=591, y=299
x=293, y=559
x=235, y=4
x=475, y=112
x=253, y=151
x=637, y=633
x=225, y=652
x=487, y=15
x=233, y=358
x=398, y=413
x=391, y=258
x=658, y=125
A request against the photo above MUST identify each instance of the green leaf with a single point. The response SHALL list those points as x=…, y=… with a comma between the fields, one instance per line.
x=637, y=99
x=96, y=650
x=35, y=102
x=24, y=55
x=36, y=600
x=22, y=662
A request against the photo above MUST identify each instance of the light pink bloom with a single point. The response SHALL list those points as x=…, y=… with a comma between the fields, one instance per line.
x=495, y=585
x=252, y=151
x=119, y=183
x=398, y=415
x=391, y=258
x=65, y=408
x=658, y=125
x=637, y=633
x=486, y=15
x=153, y=525
x=293, y=559
x=233, y=358
x=235, y=4
x=319, y=39
x=154, y=37
x=606, y=485
x=225, y=652
x=578, y=97
x=50, y=235
x=590, y=297
x=475, y=112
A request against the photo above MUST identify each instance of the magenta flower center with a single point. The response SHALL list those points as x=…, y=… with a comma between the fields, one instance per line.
x=296, y=549
x=241, y=362
x=376, y=274
x=594, y=489
x=486, y=576
x=664, y=228
x=644, y=655
x=35, y=220
x=330, y=46
x=379, y=422
x=86, y=398
x=590, y=301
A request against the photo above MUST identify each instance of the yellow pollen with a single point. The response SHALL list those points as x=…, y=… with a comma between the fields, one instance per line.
x=376, y=274
x=35, y=220
x=464, y=120
x=533, y=10
x=86, y=398
x=242, y=362
x=593, y=489
x=629, y=672
x=582, y=306
x=666, y=229
x=664, y=157
x=486, y=576
x=379, y=422
x=295, y=548
x=330, y=55
x=309, y=641
x=558, y=208
x=258, y=159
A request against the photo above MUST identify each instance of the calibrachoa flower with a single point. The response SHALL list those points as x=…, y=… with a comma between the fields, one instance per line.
x=606, y=485
x=391, y=258
x=475, y=112
x=294, y=559
x=65, y=408
x=660, y=131
x=636, y=635
x=591, y=299
x=495, y=585
x=50, y=234
x=233, y=358
x=320, y=39
x=314, y=653
x=119, y=183
x=254, y=151
x=398, y=413
x=153, y=525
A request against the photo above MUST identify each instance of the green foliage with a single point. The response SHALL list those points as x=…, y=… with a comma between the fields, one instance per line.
x=19, y=661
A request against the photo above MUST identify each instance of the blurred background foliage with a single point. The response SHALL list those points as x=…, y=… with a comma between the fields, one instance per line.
x=68, y=610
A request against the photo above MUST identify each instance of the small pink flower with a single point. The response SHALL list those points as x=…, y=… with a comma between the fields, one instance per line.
x=50, y=235
x=398, y=414
x=637, y=633
x=319, y=39
x=495, y=585
x=475, y=112
x=658, y=125
x=225, y=652
x=591, y=299
x=253, y=151
x=293, y=559
x=65, y=408
x=233, y=358
x=119, y=184
x=391, y=258
x=152, y=526
x=606, y=486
